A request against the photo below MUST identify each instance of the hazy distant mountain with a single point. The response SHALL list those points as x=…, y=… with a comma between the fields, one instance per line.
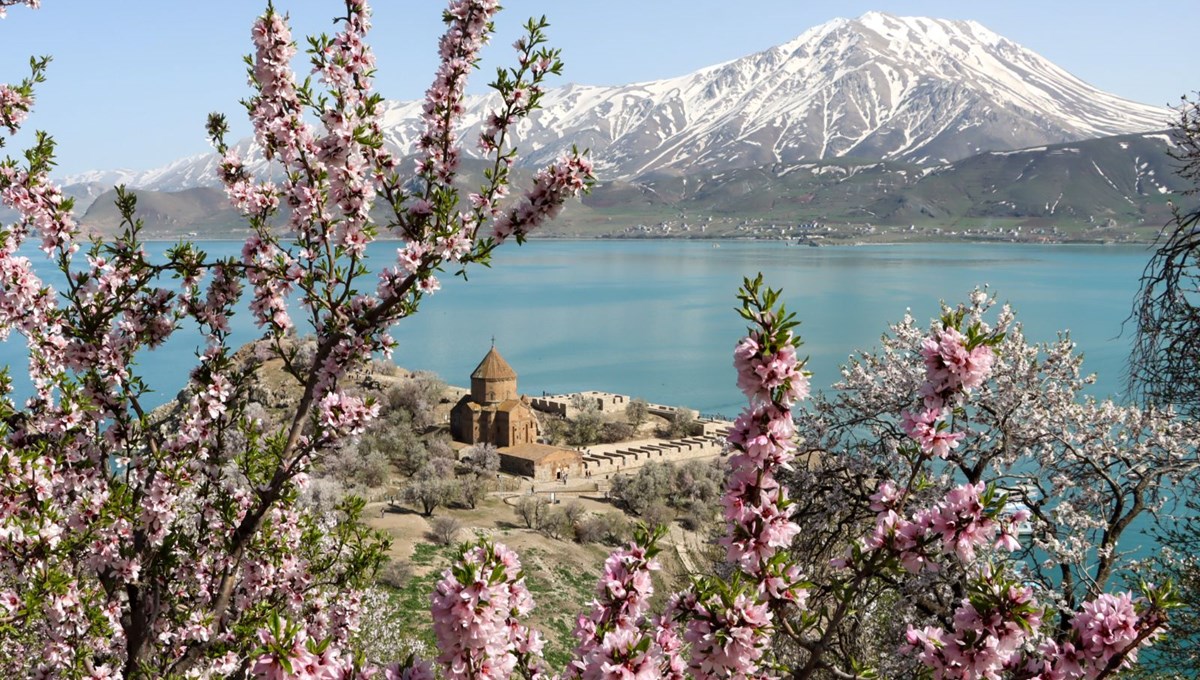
x=205, y=211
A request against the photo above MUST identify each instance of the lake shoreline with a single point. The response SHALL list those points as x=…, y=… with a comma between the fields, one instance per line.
x=1148, y=244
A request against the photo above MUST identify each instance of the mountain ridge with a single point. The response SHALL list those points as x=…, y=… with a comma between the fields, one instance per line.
x=913, y=89
x=874, y=120
x=1112, y=188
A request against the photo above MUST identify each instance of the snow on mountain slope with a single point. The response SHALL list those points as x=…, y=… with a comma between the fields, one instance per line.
x=880, y=86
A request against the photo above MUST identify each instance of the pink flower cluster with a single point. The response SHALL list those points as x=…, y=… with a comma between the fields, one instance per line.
x=341, y=415
x=616, y=640
x=987, y=637
x=276, y=111
x=775, y=377
x=247, y=195
x=960, y=523
x=1105, y=627
x=459, y=49
x=931, y=432
x=14, y=107
x=475, y=607
x=727, y=636
x=551, y=188
x=297, y=662
x=951, y=368
x=40, y=203
x=756, y=505
x=346, y=64
x=729, y=624
x=273, y=274
x=999, y=631
x=26, y=303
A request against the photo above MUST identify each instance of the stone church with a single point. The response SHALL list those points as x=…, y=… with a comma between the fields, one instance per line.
x=494, y=412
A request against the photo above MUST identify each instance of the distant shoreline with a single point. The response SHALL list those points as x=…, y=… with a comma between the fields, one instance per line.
x=719, y=240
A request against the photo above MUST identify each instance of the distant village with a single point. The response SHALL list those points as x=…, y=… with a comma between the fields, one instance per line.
x=818, y=233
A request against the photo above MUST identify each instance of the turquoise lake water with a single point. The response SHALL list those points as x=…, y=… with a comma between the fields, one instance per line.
x=655, y=318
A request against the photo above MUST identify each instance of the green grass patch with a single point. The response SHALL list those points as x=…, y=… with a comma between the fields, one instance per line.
x=425, y=554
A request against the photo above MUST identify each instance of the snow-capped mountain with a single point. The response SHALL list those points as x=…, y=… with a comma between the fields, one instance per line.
x=897, y=88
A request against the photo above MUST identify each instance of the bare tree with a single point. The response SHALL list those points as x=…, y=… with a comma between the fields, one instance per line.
x=1165, y=362
x=532, y=510
x=574, y=512
x=444, y=530
x=483, y=458
x=472, y=488
x=556, y=524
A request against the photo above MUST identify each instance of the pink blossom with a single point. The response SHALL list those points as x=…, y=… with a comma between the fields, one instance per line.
x=886, y=496
x=727, y=640
x=982, y=643
x=950, y=367
x=344, y=415
x=930, y=432
x=1105, y=627
x=609, y=637
x=474, y=605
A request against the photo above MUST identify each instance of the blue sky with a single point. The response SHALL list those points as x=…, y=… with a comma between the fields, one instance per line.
x=133, y=80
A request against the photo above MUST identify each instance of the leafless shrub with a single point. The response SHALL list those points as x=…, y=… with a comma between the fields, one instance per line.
x=532, y=510
x=574, y=511
x=444, y=530
x=611, y=528
x=395, y=574
x=556, y=524
x=658, y=514
x=384, y=367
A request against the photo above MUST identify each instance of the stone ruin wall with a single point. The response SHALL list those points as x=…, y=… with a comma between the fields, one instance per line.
x=602, y=461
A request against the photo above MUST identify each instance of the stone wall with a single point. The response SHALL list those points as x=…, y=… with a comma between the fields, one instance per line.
x=669, y=412
x=563, y=405
x=605, y=460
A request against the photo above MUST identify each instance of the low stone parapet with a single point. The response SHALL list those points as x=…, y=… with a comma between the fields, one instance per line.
x=608, y=459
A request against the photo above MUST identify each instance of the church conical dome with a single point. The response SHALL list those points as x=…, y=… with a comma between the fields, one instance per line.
x=494, y=367
x=494, y=411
